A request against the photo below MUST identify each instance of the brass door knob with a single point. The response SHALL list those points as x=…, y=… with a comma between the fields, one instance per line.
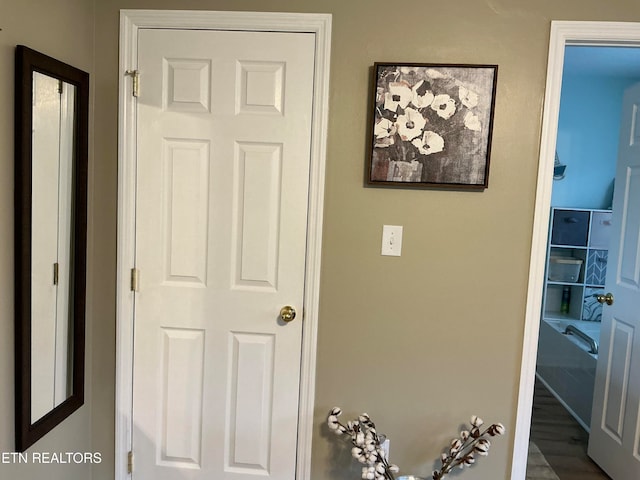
x=608, y=298
x=287, y=313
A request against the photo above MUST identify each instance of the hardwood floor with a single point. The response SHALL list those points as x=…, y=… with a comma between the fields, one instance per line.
x=561, y=439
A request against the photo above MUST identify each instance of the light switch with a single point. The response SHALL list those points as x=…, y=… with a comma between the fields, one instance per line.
x=391, y=240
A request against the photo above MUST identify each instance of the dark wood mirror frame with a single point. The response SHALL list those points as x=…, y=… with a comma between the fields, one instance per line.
x=27, y=62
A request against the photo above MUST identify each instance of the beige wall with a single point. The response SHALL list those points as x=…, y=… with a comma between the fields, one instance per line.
x=420, y=342
x=62, y=29
x=423, y=341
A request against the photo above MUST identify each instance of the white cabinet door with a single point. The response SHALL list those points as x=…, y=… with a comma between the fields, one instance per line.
x=614, y=442
x=223, y=135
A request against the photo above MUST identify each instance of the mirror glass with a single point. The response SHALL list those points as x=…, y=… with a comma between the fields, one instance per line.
x=51, y=240
x=51, y=163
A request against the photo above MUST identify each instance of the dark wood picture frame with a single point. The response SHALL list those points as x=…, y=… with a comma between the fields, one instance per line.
x=431, y=125
x=27, y=62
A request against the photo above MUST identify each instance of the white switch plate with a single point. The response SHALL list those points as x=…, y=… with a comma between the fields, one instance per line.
x=391, y=240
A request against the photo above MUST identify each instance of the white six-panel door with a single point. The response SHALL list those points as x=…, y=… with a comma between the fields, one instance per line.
x=223, y=148
x=614, y=441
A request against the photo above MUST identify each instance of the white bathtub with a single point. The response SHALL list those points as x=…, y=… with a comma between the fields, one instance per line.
x=566, y=367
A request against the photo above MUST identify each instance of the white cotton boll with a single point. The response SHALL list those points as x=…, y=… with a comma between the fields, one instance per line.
x=464, y=435
x=360, y=438
x=476, y=421
x=394, y=468
x=333, y=424
x=482, y=449
x=335, y=411
x=380, y=468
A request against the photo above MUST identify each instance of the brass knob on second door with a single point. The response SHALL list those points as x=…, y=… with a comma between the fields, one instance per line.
x=287, y=313
x=608, y=298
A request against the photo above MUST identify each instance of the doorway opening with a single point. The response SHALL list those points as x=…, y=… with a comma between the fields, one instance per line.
x=593, y=84
x=563, y=34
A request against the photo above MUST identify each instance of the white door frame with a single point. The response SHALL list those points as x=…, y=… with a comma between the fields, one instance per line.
x=130, y=22
x=562, y=34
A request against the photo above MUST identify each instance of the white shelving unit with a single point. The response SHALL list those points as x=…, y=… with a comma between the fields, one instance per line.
x=583, y=234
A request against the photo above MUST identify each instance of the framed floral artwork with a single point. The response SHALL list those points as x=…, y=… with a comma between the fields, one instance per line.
x=432, y=125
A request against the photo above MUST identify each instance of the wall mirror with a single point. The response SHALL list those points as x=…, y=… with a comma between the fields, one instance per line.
x=51, y=148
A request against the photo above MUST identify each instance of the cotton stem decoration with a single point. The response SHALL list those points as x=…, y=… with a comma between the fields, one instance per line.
x=367, y=446
x=464, y=449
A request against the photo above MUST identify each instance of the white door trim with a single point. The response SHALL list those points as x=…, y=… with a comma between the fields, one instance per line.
x=130, y=22
x=562, y=34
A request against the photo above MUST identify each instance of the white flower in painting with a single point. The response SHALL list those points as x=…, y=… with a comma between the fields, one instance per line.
x=468, y=98
x=399, y=95
x=410, y=124
x=472, y=122
x=430, y=143
x=444, y=106
x=421, y=95
x=384, y=128
x=408, y=70
x=431, y=73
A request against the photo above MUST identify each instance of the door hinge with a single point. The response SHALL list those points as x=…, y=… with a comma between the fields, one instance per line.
x=130, y=462
x=135, y=278
x=135, y=78
x=56, y=270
